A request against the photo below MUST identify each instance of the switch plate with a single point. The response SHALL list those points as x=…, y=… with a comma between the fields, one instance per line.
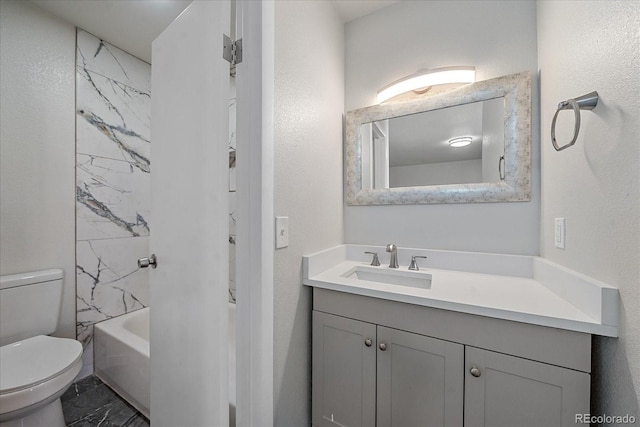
x=560, y=232
x=282, y=232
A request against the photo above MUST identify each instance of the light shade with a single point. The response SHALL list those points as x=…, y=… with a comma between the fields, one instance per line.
x=460, y=141
x=427, y=78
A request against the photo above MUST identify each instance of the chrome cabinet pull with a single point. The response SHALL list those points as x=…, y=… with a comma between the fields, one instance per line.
x=475, y=372
x=368, y=342
x=383, y=346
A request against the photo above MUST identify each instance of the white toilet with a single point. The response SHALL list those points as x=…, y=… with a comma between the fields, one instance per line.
x=35, y=369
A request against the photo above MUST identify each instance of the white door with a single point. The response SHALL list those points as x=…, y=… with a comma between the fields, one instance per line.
x=189, y=186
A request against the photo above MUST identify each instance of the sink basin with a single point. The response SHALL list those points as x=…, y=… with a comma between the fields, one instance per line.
x=389, y=276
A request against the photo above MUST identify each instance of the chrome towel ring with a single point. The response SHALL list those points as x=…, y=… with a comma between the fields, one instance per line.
x=584, y=102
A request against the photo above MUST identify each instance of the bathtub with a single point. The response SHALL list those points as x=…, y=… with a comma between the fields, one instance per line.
x=121, y=357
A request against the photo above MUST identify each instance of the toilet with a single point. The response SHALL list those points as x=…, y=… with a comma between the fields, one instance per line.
x=35, y=369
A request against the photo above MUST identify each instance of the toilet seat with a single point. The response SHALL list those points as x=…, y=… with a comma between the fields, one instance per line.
x=36, y=369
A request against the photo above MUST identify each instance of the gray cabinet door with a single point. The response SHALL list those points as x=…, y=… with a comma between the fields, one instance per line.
x=344, y=372
x=420, y=380
x=511, y=391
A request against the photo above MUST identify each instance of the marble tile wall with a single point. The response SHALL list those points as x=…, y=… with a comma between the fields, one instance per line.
x=113, y=160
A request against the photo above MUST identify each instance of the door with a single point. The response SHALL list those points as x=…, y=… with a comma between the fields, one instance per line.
x=420, y=380
x=189, y=184
x=505, y=391
x=344, y=372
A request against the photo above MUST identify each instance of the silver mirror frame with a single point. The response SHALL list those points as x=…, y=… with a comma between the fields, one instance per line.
x=516, y=187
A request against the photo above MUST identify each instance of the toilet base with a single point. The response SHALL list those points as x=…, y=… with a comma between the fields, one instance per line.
x=48, y=416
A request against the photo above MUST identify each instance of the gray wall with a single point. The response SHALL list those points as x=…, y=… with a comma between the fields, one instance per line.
x=498, y=38
x=309, y=69
x=37, y=150
x=585, y=46
x=460, y=172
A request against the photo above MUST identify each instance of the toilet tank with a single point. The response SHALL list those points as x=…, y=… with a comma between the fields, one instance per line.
x=29, y=304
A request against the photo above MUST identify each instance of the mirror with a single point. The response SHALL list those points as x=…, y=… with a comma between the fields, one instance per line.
x=399, y=153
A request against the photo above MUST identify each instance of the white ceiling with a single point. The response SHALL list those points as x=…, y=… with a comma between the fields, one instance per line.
x=352, y=9
x=132, y=25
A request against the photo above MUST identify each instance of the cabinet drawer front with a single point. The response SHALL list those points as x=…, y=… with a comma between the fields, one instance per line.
x=420, y=380
x=507, y=391
x=568, y=349
x=344, y=372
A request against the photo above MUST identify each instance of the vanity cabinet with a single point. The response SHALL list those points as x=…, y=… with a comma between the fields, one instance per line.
x=369, y=375
x=386, y=363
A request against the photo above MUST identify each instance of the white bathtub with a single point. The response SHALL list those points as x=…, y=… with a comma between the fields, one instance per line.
x=121, y=357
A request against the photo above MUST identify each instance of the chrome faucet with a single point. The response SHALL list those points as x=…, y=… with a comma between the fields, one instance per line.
x=393, y=262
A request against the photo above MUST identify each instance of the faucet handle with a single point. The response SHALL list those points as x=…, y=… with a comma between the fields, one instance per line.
x=414, y=264
x=375, y=261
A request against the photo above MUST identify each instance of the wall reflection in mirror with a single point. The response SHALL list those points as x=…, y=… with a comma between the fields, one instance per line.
x=414, y=150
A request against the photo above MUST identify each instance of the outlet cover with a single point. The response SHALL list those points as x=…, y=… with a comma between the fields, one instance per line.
x=560, y=232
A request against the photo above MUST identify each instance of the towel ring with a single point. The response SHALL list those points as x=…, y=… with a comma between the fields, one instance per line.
x=584, y=102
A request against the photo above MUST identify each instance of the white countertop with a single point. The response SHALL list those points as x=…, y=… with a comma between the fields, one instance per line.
x=535, y=291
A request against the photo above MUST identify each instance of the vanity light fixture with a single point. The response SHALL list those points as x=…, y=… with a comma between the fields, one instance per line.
x=460, y=141
x=427, y=78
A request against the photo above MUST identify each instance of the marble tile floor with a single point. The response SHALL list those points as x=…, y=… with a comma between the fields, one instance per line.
x=89, y=402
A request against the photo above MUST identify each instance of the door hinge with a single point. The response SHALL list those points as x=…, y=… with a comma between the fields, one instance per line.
x=232, y=51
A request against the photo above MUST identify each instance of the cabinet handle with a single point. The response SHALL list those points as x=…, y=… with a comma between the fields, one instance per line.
x=475, y=372
x=368, y=342
x=383, y=346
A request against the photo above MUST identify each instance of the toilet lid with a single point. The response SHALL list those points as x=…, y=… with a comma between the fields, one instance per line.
x=35, y=360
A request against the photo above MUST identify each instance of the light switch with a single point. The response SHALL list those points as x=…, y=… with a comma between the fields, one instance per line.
x=560, y=232
x=282, y=232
